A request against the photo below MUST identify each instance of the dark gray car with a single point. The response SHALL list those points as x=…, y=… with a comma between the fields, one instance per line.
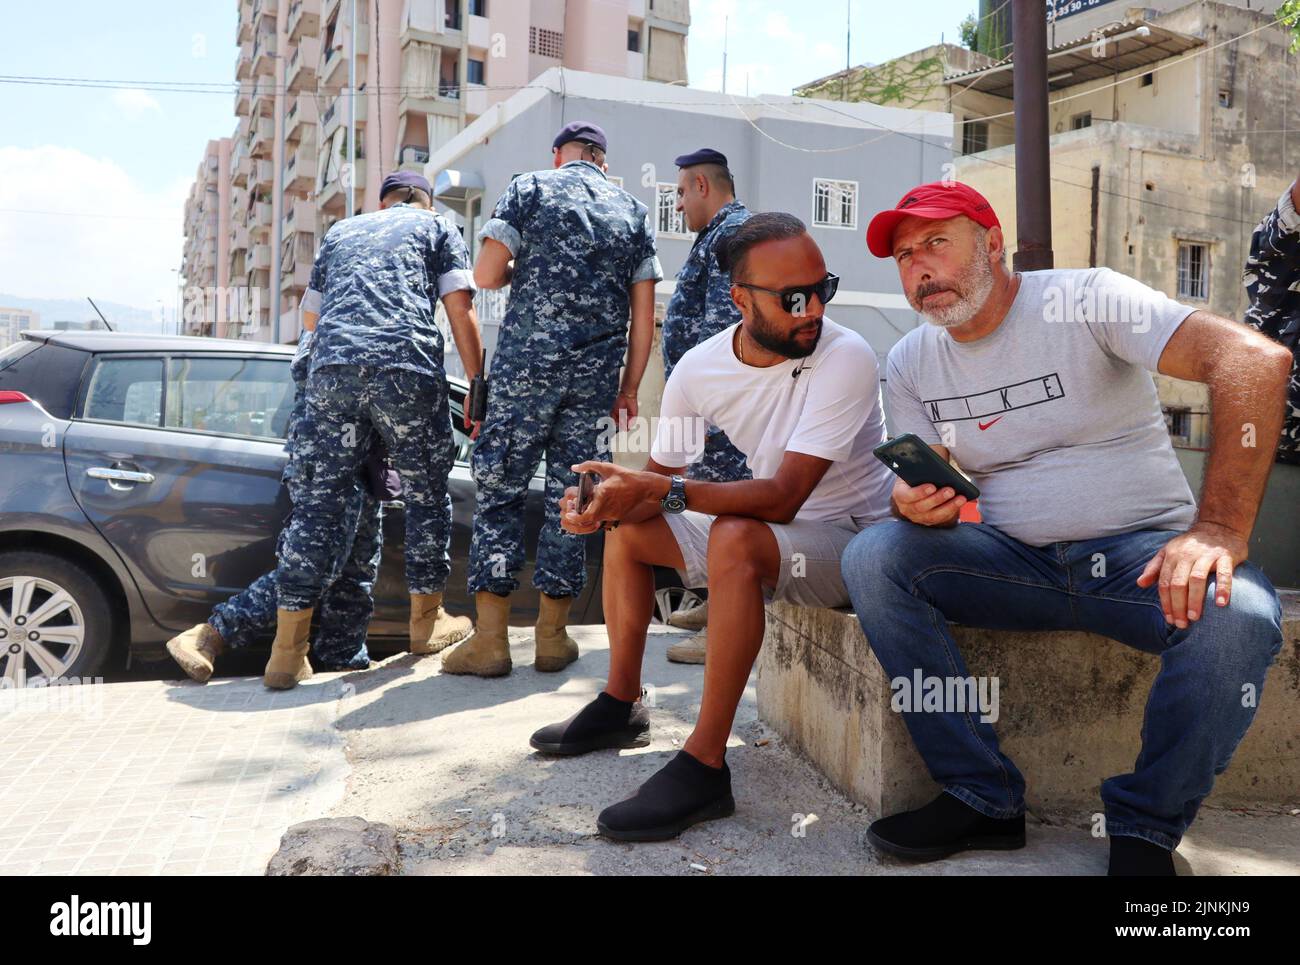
x=140, y=486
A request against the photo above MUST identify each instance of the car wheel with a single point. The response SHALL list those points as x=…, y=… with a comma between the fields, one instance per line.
x=55, y=621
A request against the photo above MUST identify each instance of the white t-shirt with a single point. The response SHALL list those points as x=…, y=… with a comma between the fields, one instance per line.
x=1054, y=413
x=831, y=409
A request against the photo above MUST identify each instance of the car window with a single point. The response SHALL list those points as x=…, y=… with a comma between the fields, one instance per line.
x=233, y=396
x=12, y=353
x=126, y=390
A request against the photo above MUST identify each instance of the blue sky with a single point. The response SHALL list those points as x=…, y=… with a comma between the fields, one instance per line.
x=117, y=164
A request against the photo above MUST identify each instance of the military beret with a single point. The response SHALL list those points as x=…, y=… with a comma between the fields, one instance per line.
x=405, y=179
x=705, y=155
x=581, y=131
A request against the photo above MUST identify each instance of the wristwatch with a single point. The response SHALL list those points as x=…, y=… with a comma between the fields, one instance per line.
x=675, y=501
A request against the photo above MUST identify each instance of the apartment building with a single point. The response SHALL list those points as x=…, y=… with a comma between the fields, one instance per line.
x=13, y=321
x=423, y=70
x=205, y=259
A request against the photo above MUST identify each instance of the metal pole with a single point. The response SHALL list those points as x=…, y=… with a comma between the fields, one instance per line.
x=1029, y=90
x=352, y=115
x=277, y=261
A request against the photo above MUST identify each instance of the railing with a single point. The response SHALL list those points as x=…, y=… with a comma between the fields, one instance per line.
x=414, y=154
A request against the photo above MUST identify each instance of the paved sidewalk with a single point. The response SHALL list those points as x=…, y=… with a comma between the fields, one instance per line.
x=155, y=777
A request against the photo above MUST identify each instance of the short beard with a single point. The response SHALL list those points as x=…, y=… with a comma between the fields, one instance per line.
x=972, y=288
x=765, y=334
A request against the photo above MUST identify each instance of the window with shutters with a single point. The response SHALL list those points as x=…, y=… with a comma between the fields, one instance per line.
x=669, y=222
x=835, y=203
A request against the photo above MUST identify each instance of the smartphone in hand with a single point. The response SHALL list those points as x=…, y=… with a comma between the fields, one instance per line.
x=587, y=483
x=917, y=464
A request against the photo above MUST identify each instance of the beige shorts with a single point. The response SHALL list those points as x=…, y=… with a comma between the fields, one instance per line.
x=810, y=557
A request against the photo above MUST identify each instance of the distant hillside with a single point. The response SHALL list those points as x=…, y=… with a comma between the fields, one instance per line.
x=123, y=318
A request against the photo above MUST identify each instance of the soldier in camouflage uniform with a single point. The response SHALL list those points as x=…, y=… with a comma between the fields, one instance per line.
x=348, y=600
x=377, y=366
x=700, y=308
x=584, y=257
x=1272, y=278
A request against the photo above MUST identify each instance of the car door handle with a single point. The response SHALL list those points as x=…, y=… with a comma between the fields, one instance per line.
x=119, y=475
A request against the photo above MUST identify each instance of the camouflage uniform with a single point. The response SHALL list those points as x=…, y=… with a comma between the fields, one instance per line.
x=579, y=244
x=349, y=598
x=700, y=308
x=376, y=367
x=1272, y=277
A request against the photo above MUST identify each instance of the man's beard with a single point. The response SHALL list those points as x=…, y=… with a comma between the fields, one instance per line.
x=774, y=340
x=972, y=288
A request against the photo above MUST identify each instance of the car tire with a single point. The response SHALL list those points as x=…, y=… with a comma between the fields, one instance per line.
x=81, y=633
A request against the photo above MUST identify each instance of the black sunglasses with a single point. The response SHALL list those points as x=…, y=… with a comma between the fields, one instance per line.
x=795, y=299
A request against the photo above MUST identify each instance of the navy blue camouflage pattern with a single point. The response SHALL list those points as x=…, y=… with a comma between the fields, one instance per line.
x=1272, y=278
x=579, y=244
x=701, y=307
x=348, y=600
x=346, y=406
x=378, y=278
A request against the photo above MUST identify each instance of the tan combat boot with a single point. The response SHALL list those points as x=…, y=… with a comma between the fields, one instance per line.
x=555, y=648
x=196, y=650
x=690, y=650
x=433, y=628
x=288, y=663
x=487, y=653
x=692, y=618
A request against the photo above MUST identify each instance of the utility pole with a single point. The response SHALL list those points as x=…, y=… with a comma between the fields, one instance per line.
x=848, y=58
x=726, y=22
x=1033, y=171
x=277, y=198
x=352, y=114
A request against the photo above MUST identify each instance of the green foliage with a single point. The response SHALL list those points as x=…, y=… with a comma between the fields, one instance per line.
x=902, y=83
x=968, y=30
x=1289, y=14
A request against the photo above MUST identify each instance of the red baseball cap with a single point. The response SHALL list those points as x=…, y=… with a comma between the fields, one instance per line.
x=937, y=200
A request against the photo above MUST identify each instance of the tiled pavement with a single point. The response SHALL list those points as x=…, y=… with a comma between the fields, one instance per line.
x=95, y=780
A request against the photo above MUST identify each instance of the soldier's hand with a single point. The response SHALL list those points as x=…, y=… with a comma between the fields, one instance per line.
x=570, y=521
x=624, y=411
x=472, y=427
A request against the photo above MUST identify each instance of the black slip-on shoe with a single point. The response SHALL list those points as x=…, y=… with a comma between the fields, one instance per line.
x=682, y=793
x=944, y=827
x=606, y=722
x=1138, y=857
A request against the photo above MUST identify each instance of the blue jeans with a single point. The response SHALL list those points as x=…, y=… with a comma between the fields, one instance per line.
x=907, y=582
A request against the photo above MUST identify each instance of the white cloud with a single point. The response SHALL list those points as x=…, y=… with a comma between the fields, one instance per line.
x=126, y=257
x=135, y=103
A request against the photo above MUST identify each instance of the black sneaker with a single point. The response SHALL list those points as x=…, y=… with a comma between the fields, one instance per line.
x=945, y=826
x=603, y=723
x=1131, y=857
x=682, y=793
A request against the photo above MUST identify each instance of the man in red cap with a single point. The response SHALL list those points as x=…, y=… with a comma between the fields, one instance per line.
x=1038, y=384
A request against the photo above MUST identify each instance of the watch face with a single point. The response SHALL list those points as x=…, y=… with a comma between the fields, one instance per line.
x=674, y=504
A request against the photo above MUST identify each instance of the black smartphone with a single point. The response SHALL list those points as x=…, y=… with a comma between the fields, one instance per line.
x=476, y=402
x=587, y=483
x=917, y=464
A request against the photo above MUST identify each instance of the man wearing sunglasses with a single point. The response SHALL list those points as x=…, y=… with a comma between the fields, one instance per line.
x=799, y=395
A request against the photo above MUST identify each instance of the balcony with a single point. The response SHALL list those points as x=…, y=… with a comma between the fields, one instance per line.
x=244, y=60
x=304, y=19
x=261, y=137
x=297, y=277
x=239, y=236
x=241, y=169
x=262, y=100
x=334, y=70
x=337, y=113
x=300, y=170
x=414, y=158
x=245, y=22
x=299, y=216
x=262, y=177
x=265, y=14
x=303, y=117
x=264, y=55
x=261, y=258
x=242, y=99
x=333, y=196
x=302, y=65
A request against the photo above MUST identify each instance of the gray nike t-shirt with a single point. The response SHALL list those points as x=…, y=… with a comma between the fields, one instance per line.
x=1054, y=414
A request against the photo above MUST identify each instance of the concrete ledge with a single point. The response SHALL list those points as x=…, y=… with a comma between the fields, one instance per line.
x=1070, y=714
